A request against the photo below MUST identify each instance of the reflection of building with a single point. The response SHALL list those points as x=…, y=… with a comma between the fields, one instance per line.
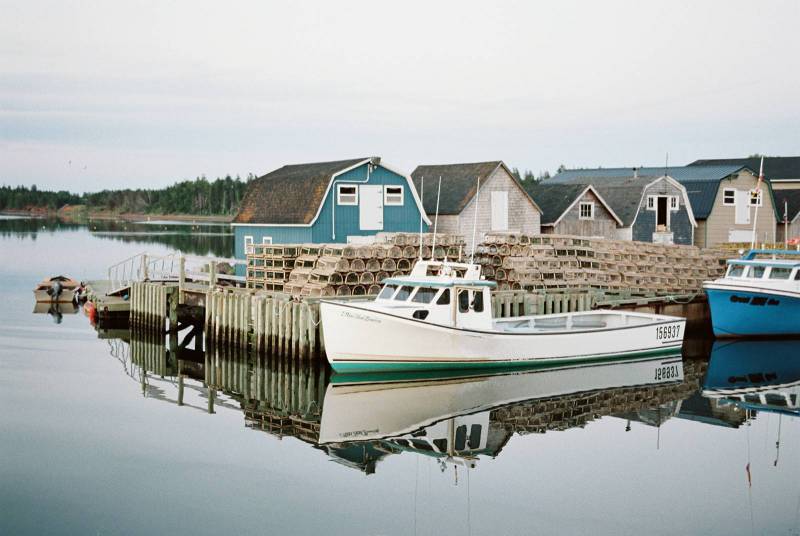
x=709, y=411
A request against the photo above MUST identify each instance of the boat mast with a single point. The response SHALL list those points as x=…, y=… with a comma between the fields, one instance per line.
x=475, y=221
x=758, y=195
x=422, y=195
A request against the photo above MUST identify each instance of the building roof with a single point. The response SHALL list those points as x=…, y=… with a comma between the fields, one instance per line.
x=555, y=199
x=775, y=167
x=789, y=199
x=459, y=184
x=291, y=194
x=701, y=182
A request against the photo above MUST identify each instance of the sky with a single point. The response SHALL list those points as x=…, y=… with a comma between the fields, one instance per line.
x=140, y=94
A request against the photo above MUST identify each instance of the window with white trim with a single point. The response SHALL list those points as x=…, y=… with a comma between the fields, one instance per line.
x=729, y=197
x=248, y=245
x=586, y=210
x=392, y=195
x=651, y=202
x=346, y=194
x=756, y=198
x=266, y=240
x=673, y=202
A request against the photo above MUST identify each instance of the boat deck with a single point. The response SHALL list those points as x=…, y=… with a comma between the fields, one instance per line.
x=580, y=321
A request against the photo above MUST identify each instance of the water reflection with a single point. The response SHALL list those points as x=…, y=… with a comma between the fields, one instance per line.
x=194, y=238
x=455, y=418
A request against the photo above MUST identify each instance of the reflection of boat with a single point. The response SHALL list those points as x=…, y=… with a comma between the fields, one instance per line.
x=757, y=375
x=57, y=289
x=402, y=408
x=55, y=309
x=756, y=296
x=440, y=317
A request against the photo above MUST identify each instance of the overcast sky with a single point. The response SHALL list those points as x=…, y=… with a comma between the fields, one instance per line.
x=145, y=93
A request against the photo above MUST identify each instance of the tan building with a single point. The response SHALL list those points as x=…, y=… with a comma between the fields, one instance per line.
x=502, y=203
x=722, y=203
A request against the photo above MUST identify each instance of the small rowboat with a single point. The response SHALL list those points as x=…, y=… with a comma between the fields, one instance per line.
x=440, y=317
x=57, y=289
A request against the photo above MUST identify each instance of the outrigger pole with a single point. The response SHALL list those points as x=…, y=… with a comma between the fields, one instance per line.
x=758, y=196
x=436, y=219
x=422, y=196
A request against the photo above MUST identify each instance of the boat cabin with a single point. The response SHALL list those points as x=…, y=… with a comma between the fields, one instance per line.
x=770, y=270
x=452, y=294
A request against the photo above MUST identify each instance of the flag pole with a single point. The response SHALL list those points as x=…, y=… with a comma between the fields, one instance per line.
x=758, y=197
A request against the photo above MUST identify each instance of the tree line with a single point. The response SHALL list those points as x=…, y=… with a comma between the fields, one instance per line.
x=200, y=196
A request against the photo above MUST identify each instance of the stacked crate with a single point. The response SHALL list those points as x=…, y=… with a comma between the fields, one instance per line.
x=548, y=262
x=269, y=265
x=350, y=269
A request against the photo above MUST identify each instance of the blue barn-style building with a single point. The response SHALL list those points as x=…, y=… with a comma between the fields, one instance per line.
x=327, y=202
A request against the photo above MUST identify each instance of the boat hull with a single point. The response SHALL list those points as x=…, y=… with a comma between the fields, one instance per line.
x=748, y=312
x=66, y=296
x=363, y=340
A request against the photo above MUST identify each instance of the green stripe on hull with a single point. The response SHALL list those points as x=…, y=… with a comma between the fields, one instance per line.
x=397, y=366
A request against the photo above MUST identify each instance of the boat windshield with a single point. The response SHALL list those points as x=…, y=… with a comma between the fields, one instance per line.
x=387, y=292
x=780, y=273
x=403, y=293
x=755, y=272
x=424, y=295
x=735, y=270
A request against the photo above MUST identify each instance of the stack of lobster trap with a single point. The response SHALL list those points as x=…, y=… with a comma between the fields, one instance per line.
x=547, y=262
x=345, y=269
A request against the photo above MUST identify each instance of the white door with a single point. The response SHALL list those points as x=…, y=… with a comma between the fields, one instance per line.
x=370, y=207
x=499, y=211
x=742, y=207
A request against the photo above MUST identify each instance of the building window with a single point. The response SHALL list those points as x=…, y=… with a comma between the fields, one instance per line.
x=392, y=195
x=651, y=202
x=586, y=211
x=346, y=194
x=729, y=197
x=248, y=245
x=673, y=202
x=266, y=240
x=756, y=198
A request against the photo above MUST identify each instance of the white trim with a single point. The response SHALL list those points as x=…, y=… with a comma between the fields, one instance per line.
x=411, y=188
x=248, y=238
x=264, y=240
x=339, y=194
x=726, y=190
x=674, y=204
x=760, y=202
x=590, y=204
x=651, y=202
x=599, y=198
x=684, y=193
x=386, y=195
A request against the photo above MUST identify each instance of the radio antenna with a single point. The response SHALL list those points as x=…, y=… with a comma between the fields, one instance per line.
x=436, y=219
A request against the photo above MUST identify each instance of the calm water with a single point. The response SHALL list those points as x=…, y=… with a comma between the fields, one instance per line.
x=93, y=439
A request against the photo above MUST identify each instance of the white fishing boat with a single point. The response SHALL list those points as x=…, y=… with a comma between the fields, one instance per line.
x=440, y=317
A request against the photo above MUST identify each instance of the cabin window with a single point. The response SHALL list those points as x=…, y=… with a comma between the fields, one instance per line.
x=387, y=292
x=477, y=301
x=346, y=194
x=461, y=438
x=797, y=275
x=673, y=203
x=444, y=299
x=586, y=211
x=475, y=436
x=463, y=301
x=729, y=197
x=424, y=295
x=780, y=273
x=248, y=245
x=736, y=270
x=756, y=198
x=440, y=444
x=756, y=272
x=403, y=293
x=392, y=195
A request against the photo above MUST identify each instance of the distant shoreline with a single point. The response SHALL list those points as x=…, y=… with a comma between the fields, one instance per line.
x=110, y=215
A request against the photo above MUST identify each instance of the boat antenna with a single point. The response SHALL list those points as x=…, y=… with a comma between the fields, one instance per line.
x=758, y=196
x=422, y=195
x=436, y=218
x=475, y=221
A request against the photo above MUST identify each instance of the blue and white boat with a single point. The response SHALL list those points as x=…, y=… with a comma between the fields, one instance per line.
x=757, y=296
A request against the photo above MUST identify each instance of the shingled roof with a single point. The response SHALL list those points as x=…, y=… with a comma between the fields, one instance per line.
x=291, y=194
x=775, y=167
x=459, y=184
x=701, y=182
